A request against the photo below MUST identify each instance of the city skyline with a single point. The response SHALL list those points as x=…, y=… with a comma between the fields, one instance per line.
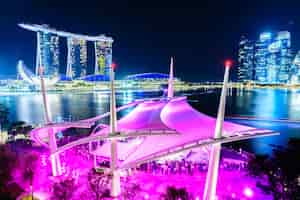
x=199, y=35
x=268, y=59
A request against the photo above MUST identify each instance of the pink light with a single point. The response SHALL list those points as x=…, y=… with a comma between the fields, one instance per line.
x=113, y=66
x=146, y=196
x=228, y=63
x=233, y=195
x=248, y=192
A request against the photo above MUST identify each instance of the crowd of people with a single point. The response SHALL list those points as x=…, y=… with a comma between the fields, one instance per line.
x=186, y=167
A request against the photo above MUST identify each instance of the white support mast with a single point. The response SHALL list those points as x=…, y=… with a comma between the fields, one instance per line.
x=55, y=160
x=212, y=174
x=115, y=182
x=171, y=81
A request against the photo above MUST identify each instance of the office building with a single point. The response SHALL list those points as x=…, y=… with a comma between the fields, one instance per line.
x=245, y=59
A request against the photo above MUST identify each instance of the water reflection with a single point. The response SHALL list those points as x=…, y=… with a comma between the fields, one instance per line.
x=261, y=103
x=65, y=106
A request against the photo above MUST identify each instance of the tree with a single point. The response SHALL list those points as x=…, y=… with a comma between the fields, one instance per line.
x=63, y=190
x=98, y=184
x=131, y=191
x=29, y=165
x=173, y=193
x=280, y=173
x=9, y=162
x=3, y=115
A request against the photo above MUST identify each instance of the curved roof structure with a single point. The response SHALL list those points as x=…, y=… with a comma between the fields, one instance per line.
x=156, y=128
x=147, y=76
x=191, y=126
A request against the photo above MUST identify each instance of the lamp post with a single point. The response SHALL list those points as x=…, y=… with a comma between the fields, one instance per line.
x=115, y=179
x=212, y=174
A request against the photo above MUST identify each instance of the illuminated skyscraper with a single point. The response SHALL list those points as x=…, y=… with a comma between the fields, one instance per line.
x=245, y=59
x=77, y=58
x=47, y=53
x=268, y=60
x=103, y=54
x=260, y=57
x=283, y=57
x=295, y=70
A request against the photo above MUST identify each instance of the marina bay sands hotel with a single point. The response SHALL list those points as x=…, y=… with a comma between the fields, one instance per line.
x=48, y=52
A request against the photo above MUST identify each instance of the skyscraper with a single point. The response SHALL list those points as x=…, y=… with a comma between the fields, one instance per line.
x=47, y=53
x=103, y=52
x=77, y=58
x=268, y=60
x=245, y=59
x=260, y=57
x=284, y=56
x=295, y=69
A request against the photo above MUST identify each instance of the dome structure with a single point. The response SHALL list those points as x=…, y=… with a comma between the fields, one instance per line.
x=149, y=76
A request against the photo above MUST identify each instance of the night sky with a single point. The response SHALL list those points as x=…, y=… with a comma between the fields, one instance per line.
x=199, y=34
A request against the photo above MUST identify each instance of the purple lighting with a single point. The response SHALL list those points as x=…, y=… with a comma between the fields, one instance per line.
x=248, y=192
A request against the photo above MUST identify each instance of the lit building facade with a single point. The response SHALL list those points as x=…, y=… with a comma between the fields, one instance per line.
x=295, y=69
x=260, y=57
x=47, y=53
x=268, y=60
x=103, y=54
x=77, y=58
x=245, y=59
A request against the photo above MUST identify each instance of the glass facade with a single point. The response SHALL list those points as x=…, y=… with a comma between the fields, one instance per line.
x=261, y=57
x=77, y=58
x=245, y=59
x=48, y=53
x=295, y=69
x=268, y=60
x=103, y=52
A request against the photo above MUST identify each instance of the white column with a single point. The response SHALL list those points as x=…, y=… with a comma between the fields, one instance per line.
x=171, y=81
x=115, y=182
x=212, y=174
x=38, y=56
x=69, y=59
x=43, y=90
x=96, y=71
x=55, y=160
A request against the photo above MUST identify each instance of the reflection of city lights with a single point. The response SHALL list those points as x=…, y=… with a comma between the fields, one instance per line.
x=248, y=192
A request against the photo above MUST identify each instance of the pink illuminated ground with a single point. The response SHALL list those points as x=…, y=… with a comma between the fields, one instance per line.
x=233, y=183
